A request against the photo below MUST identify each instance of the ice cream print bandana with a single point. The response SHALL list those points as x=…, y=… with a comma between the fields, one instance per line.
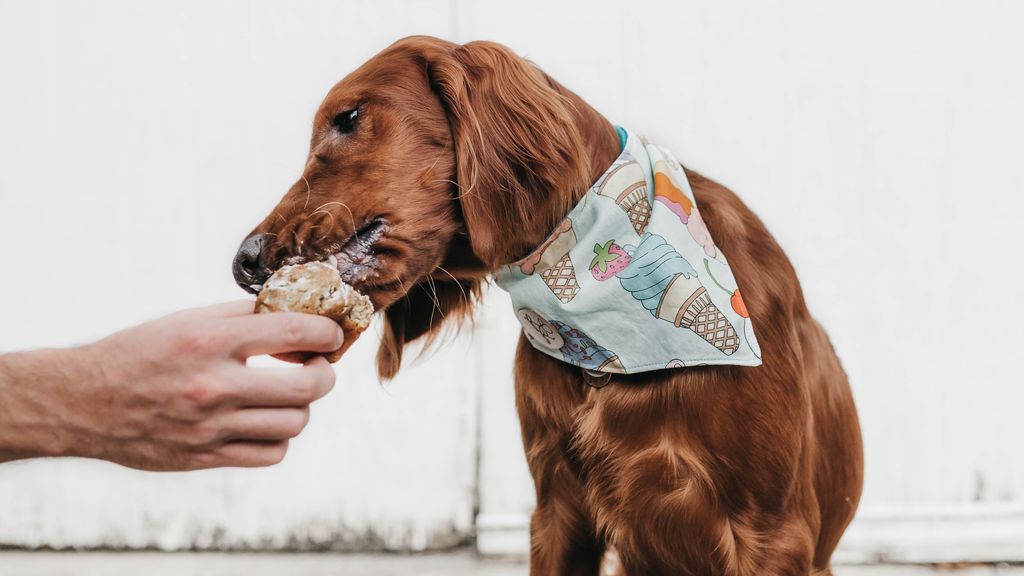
x=631, y=280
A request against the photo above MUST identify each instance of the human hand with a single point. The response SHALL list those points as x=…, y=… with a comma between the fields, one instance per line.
x=175, y=393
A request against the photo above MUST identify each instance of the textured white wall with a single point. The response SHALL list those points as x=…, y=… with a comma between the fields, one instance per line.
x=880, y=141
x=882, y=144
x=138, y=144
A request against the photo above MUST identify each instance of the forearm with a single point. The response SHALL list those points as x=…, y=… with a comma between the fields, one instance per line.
x=171, y=394
x=34, y=394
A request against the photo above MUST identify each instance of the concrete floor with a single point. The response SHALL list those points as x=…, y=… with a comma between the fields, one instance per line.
x=454, y=564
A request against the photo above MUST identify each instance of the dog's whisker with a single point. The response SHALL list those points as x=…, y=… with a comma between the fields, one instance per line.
x=324, y=205
x=309, y=191
x=355, y=231
x=328, y=213
x=433, y=290
x=465, y=298
x=435, y=300
x=405, y=291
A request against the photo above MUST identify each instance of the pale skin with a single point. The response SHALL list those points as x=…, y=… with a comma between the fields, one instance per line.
x=171, y=394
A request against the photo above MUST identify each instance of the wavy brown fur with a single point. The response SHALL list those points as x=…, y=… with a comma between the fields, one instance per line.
x=472, y=154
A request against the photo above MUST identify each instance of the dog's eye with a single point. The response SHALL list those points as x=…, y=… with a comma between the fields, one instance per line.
x=345, y=121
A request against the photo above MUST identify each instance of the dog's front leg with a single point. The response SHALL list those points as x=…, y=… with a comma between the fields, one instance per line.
x=563, y=537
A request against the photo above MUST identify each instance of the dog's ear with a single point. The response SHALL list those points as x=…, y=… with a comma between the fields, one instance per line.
x=517, y=152
x=517, y=145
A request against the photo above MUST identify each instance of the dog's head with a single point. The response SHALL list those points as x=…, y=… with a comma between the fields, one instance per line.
x=429, y=166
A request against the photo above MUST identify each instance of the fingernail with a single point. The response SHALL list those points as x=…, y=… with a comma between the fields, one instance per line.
x=341, y=337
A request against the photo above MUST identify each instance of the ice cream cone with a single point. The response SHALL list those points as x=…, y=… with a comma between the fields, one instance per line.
x=670, y=195
x=553, y=263
x=612, y=365
x=634, y=201
x=667, y=286
x=626, y=184
x=561, y=279
x=677, y=296
x=699, y=314
x=686, y=303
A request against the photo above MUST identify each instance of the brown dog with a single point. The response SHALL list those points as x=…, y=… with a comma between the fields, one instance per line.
x=432, y=165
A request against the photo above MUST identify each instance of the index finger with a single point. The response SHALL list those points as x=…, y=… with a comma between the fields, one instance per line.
x=242, y=307
x=280, y=332
x=227, y=309
x=292, y=386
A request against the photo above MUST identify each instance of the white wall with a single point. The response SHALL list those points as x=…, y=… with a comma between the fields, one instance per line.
x=880, y=141
x=139, y=143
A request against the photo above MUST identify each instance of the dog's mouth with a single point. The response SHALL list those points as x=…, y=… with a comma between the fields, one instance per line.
x=354, y=257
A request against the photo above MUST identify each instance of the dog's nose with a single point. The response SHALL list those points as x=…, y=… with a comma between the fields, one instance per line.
x=246, y=266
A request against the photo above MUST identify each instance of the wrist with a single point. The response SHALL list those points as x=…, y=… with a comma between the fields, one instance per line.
x=36, y=400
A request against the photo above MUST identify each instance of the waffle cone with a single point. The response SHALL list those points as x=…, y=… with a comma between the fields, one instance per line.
x=639, y=212
x=561, y=279
x=705, y=319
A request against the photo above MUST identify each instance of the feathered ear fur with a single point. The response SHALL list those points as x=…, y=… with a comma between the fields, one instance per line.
x=517, y=146
x=518, y=156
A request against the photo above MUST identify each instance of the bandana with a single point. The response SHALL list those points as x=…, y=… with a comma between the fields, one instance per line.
x=631, y=280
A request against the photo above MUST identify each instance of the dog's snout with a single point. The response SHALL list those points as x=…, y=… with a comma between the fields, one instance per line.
x=246, y=266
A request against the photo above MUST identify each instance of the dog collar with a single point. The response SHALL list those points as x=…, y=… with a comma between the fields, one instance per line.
x=631, y=280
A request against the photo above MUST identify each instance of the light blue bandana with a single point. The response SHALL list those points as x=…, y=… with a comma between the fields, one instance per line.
x=631, y=280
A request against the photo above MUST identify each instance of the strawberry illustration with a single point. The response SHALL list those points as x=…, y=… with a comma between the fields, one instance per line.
x=608, y=261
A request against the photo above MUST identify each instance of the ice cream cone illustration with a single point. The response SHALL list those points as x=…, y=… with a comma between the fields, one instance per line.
x=673, y=198
x=581, y=350
x=553, y=263
x=740, y=307
x=667, y=286
x=625, y=183
x=666, y=192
